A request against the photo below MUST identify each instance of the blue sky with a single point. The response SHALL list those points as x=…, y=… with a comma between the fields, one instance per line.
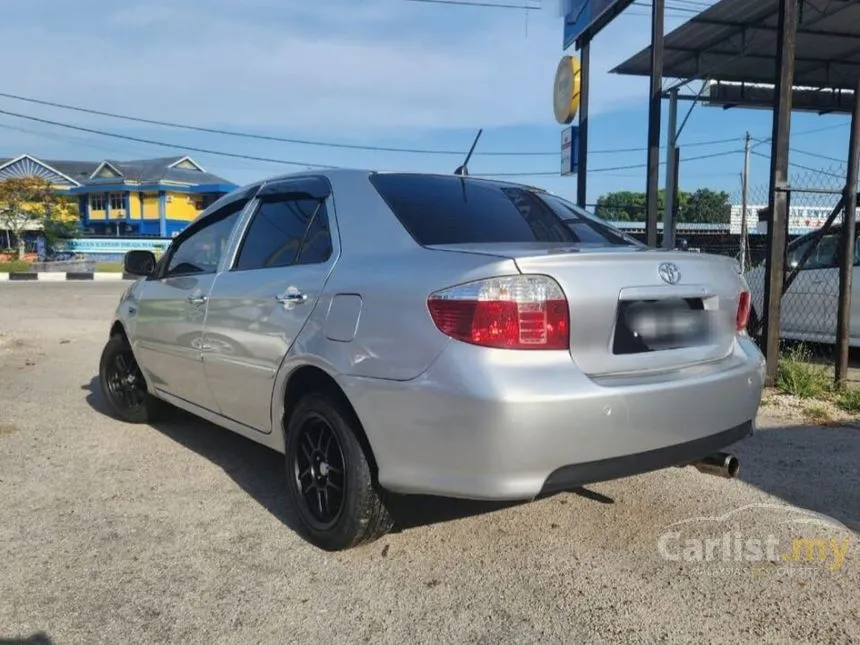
x=378, y=72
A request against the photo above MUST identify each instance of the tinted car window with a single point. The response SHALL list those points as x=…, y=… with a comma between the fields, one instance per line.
x=201, y=251
x=277, y=234
x=455, y=210
x=316, y=247
x=587, y=228
x=824, y=256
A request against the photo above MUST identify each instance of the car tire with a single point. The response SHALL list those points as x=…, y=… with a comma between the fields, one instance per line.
x=330, y=481
x=124, y=387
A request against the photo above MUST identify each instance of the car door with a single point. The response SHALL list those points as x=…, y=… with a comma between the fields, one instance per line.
x=260, y=304
x=809, y=304
x=172, y=307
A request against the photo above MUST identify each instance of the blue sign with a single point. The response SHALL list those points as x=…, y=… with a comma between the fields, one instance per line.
x=589, y=16
x=119, y=245
x=570, y=150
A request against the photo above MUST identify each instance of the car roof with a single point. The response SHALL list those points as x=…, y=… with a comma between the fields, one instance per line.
x=348, y=172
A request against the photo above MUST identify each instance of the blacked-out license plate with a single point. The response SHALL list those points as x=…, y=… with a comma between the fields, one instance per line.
x=659, y=325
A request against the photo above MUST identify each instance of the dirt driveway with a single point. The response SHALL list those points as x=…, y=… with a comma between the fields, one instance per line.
x=179, y=533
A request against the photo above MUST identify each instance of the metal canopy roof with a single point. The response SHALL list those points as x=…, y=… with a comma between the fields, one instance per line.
x=736, y=40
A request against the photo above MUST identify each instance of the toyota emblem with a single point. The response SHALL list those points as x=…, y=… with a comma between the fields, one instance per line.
x=669, y=272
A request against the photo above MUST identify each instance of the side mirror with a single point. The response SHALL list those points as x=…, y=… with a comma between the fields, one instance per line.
x=140, y=263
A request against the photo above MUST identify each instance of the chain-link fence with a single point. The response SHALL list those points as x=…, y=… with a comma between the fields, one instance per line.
x=810, y=301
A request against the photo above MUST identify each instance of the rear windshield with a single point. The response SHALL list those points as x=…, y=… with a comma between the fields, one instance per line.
x=588, y=228
x=459, y=210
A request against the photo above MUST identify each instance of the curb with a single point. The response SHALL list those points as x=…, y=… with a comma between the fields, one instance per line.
x=59, y=276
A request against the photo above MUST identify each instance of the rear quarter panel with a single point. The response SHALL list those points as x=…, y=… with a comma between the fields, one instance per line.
x=394, y=336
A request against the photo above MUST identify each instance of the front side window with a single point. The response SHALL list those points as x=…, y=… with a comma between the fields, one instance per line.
x=202, y=249
x=824, y=256
x=284, y=232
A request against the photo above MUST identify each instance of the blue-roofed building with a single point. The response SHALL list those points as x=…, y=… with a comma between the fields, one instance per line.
x=146, y=197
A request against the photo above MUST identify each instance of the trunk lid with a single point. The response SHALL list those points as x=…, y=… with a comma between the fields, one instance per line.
x=625, y=317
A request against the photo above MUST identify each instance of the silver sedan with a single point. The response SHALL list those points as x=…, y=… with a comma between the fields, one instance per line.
x=434, y=334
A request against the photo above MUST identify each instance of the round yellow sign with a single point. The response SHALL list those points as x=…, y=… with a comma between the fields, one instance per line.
x=565, y=95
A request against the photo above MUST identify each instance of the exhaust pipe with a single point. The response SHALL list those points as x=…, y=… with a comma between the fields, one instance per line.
x=720, y=464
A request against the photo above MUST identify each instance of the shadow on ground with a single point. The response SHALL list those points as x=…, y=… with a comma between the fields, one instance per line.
x=35, y=639
x=810, y=467
x=260, y=472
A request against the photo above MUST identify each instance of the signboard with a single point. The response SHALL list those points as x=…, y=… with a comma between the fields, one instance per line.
x=588, y=17
x=566, y=89
x=570, y=150
x=801, y=219
x=119, y=245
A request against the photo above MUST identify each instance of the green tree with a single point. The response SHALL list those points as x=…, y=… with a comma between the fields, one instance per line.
x=28, y=203
x=702, y=206
x=707, y=206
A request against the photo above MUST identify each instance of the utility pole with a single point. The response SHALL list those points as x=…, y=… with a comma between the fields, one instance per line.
x=745, y=188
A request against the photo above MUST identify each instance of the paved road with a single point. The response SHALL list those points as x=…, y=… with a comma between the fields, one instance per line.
x=112, y=533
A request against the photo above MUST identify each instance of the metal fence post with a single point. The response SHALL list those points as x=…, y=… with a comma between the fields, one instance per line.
x=777, y=230
x=846, y=263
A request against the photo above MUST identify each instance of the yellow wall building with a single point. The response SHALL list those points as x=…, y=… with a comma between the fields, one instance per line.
x=148, y=197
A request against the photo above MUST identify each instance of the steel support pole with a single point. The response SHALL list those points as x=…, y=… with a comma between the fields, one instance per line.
x=671, y=174
x=846, y=264
x=777, y=230
x=582, y=171
x=653, y=183
x=745, y=201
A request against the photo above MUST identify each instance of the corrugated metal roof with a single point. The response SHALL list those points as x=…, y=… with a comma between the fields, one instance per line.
x=735, y=40
x=140, y=170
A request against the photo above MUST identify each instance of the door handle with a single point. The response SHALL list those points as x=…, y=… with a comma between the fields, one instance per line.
x=196, y=300
x=292, y=298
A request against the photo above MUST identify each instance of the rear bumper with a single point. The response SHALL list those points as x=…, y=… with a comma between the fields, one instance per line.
x=495, y=424
x=575, y=475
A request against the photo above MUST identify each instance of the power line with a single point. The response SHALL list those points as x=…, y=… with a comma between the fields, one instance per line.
x=233, y=155
x=802, y=167
x=324, y=144
x=89, y=142
x=483, y=5
x=612, y=169
x=153, y=142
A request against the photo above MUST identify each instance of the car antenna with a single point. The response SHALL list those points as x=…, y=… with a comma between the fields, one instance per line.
x=463, y=170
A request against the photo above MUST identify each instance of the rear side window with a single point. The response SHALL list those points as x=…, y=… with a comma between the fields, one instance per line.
x=286, y=232
x=459, y=210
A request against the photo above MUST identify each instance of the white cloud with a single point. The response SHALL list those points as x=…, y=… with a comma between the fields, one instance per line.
x=358, y=67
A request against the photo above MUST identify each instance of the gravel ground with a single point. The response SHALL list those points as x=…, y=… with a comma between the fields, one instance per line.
x=113, y=533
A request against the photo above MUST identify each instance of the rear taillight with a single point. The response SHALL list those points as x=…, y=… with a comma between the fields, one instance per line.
x=743, y=316
x=516, y=312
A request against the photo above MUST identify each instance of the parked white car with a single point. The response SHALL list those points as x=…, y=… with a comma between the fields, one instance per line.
x=810, y=304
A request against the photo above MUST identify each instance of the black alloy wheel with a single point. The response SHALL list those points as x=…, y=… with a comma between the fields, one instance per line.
x=318, y=466
x=330, y=483
x=124, y=386
x=125, y=383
